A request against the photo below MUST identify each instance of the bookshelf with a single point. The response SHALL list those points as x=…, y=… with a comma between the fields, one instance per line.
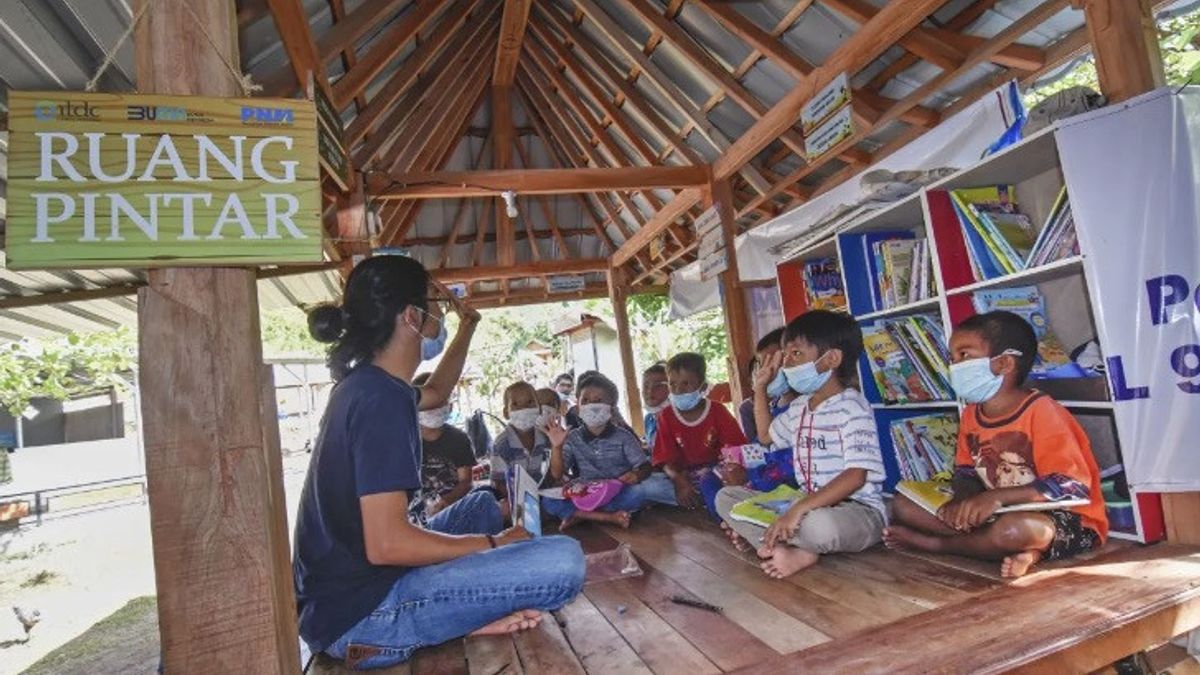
x=1033, y=170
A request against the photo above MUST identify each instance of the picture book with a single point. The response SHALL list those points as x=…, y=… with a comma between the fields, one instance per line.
x=823, y=284
x=894, y=374
x=908, y=359
x=766, y=508
x=986, y=262
x=750, y=455
x=924, y=445
x=934, y=494
x=874, y=260
x=1057, y=239
x=1027, y=302
x=526, y=508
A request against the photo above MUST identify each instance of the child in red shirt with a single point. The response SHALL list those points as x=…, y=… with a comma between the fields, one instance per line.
x=692, y=431
x=1015, y=446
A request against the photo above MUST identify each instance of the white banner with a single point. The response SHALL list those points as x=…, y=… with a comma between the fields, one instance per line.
x=1133, y=178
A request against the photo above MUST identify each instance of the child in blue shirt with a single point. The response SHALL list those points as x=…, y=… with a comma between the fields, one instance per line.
x=520, y=443
x=600, y=449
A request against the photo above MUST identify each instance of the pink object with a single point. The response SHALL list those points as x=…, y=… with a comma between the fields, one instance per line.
x=594, y=494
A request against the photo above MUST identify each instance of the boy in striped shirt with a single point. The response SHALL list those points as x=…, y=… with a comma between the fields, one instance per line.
x=836, y=450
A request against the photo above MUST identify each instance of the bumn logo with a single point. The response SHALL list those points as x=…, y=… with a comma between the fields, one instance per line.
x=151, y=113
x=67, y=110
x=271, y=116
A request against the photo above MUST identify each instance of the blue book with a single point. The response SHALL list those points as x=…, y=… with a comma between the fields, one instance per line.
x=977, y=248
x=874, y=267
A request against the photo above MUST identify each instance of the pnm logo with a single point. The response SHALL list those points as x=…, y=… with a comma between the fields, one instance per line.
x=67, y=110
x=153, y=113
x=269, y=116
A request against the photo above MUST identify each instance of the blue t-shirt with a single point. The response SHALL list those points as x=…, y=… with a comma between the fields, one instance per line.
x=369, y=443
x=614, y=452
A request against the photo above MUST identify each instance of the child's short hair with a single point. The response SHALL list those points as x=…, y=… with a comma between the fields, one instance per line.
x=546, y=396
x=514, y=388
x=827, y=330
x=594, y=378
x=1004, y=330
x=659, y=368
x=689, y=362
x=564, y=377
x=772, y=339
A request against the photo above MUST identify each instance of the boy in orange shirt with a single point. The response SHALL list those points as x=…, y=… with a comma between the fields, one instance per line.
x=1015, y=446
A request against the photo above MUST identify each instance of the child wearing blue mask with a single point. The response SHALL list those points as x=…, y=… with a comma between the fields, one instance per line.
x=777, y=390
x=836, y=456
x=692, y=430
x=1015, y=446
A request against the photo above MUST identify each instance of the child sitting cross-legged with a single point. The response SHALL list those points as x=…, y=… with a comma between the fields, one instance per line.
x=520, y=443
x=691, y=432
x=836, y=455
x=602, y=449
x=1015, y=446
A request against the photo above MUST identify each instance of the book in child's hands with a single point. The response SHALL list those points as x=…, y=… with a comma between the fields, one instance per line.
x=750, y=455
x=932, y=495
x=526, y=508
x=766, y=508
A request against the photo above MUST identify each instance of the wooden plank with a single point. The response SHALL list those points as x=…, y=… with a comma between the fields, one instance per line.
x=618, y=295
x=666, y=216
x=1113, y=607
x=199, y=350
x=1181, y=509
x=508, y=48
x=385, y=49
x=599, y=646
x=487, y=183
x=448, y=658
x=740, y=334
x=492, y=654
x=659, y=646
x=544, y=650
x=775, y=628
x=957, y=23
x=347, y=31
x=476, y=273
x=291, y=21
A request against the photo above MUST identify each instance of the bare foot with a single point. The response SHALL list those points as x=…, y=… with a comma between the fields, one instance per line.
x=788, y=560
x=1018, y=564
x=513, y=623
x=900, y=538
x=619, y=518
x=739, y=542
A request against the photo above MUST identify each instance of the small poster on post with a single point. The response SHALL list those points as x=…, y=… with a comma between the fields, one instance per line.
x=829, y=100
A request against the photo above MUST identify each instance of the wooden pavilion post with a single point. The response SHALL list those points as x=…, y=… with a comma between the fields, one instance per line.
x=225, y=600
x=733, y=294
x=618, y=292
x=1128, y=62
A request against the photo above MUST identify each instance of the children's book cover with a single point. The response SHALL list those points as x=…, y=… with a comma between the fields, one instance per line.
x=823, y=284
x=932, y=495
x=766, y=508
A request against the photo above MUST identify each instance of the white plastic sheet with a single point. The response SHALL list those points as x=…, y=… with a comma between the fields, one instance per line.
x=956, y=142
x=1133, y=178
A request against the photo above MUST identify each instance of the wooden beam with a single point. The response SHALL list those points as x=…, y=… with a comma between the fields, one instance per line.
x=738, y=330
x=291, y=21
x=512, y=34
x=338, y=9
x=1125, y=42
x=521, y=271
x=468, y=237
x=502, y=129
x=343, y=35
x=443, y=184
x=384, y=51
x=416, y=62
x=892, y=22
x=618, y=295
x=672, y=211
x=544, y=205
x=533, y=296
x=907, y=60
x=352, y=234
x=460, y=212
x=225, y=600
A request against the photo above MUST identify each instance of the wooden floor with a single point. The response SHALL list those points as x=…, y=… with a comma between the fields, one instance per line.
x=631, y=626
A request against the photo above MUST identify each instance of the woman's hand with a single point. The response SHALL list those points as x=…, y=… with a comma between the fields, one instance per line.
x=512, y=535
x=784, y=527
x=766, y=371
x=466, y=315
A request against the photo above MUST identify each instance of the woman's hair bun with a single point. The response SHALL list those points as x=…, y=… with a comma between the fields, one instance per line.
x=326, y=323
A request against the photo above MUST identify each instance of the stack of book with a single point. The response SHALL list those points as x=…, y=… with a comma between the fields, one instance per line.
x=823, y=284
x=908, y=359
x=1052, y=360
x=925, y=445
x=900, y=272
x=1001, y=240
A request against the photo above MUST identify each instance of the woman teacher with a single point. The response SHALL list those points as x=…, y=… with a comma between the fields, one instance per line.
x=372, y=587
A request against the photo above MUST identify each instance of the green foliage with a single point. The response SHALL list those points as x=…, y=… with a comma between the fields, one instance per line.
x=66, y=366
x=285, y=332
x=657, y=337
x=499, y=354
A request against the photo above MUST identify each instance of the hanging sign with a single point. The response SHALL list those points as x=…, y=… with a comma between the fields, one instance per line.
x=1131, y=175
x=829, y=100
x=827, y=136
x=331, y=146
x=132, y=180
x=711, y=252
x=566, y=284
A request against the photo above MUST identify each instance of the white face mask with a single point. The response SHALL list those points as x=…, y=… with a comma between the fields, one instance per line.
x=523, y=419
x=595, y=414
x=547, y=413
x=434, y=419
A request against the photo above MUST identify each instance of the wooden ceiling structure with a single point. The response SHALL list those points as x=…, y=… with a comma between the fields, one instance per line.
x=639, y=167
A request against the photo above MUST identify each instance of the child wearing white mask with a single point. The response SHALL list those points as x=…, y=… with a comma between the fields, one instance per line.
x=1015, y=446
x=603, y=448
x=446, y=460
x=521, y=443
x=836, y=454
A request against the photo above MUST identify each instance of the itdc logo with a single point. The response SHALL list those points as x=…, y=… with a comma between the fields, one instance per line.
x=45, y=110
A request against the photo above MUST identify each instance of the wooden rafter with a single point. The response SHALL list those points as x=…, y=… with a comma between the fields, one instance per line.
x=338, y=9
x=468, y=237
x=384, y=50
x=488, y=183
x=544, y=204
x=460, y=210
x=521, y=271
x=957, y=23
x=291, y=22
x=508, y=47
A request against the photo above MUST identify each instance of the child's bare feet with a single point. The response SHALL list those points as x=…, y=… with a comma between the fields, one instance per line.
x=900, y=538
x=739, y=542
x=619, y=518
x=1018, y=564
x=787, y=560
x=515, y=622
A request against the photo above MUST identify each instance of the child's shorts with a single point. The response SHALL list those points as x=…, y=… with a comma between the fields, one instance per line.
x=1070, y=536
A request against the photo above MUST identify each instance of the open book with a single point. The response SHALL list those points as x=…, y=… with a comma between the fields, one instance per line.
x=766, y=508
x=932, y=495
x=526, y=507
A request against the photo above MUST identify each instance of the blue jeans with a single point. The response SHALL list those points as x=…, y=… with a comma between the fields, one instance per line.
x=473, y=513
x=709, y=486
x=436, y=603
x=656, y=488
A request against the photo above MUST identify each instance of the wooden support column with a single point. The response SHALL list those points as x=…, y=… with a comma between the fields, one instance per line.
x=618, y=292
x=1125, y=43
x=225, y=600
x=733, y=295
x=1129, y=63
x=502, y=131
x=352, y=231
